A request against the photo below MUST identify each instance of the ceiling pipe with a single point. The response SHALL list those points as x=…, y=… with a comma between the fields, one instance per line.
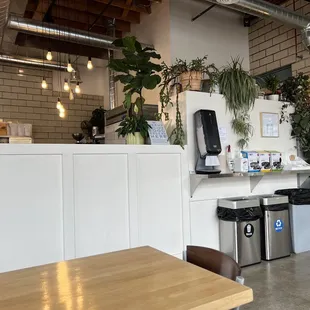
x=62, y=33
x=19, y=60
x=265, y=10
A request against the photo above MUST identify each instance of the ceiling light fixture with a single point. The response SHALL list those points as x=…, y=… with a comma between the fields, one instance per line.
x=59, y=104
x=62, y=114
x=71, y=95
x=89, y=64
x=49, y=55
x=44, y=84
x=69, y=67
x=77, y=88
x=66, y=85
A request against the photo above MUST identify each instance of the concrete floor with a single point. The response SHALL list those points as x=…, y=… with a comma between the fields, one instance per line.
x=282, y=284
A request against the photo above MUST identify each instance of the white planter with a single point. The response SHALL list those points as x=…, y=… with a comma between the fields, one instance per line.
x=134, y=138
x=273, y=97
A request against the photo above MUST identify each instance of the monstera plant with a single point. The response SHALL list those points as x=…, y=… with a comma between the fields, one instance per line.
x=137, y=72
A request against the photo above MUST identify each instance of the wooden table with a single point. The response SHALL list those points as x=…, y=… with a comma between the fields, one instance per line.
x=136, y=279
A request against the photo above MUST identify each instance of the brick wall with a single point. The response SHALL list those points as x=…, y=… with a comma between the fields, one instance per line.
x=23, y=100
x=274, y=45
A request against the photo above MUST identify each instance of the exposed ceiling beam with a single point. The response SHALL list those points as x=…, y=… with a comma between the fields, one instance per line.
x=82, y=26
x=75, y=15
x=122, y=4
x=126, y=11
x=60, y=46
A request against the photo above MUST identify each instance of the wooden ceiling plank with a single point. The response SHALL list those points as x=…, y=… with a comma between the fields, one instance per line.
x=122, y=4
x=41, y=10
x=96, y=8
x=72, y=15
x=126, y=11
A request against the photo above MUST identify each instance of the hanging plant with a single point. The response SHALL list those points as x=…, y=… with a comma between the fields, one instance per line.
x=173, y=78
x=240, y=91
x=295, y=92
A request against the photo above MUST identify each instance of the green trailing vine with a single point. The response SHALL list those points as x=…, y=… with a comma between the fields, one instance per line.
x=295, y=92
x=170, y=80
x=240, y=91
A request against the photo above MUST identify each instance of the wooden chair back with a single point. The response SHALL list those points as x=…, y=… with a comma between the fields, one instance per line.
x=214, y=261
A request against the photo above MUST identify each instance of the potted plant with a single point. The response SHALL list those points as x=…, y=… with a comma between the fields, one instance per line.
x=191, y=73
x=239, y=90
x=272, y=84
x=177, y=77
x=295, y=92
x=137, y=72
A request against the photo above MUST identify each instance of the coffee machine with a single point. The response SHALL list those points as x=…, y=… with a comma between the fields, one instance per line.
x=208, y=142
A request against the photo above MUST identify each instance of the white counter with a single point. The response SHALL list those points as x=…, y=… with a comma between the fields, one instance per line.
x=60, y=202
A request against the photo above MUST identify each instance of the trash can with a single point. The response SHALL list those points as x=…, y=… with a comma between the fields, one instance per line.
x=275, y=227
x=240, y=229
x=299, y=210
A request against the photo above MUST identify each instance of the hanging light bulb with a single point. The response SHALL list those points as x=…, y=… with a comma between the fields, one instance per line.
x=66, y=85
x=69, y=67
x=77, y=88
x=49, y=55
x=59, y=104
x=44, y=84
x=62, y=114
x=71, y=95
x=89, y=64
x=62, y=109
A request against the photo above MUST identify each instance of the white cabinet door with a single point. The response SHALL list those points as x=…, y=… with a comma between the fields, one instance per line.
x=159, y=202
x=101, y=203
x=31, y=211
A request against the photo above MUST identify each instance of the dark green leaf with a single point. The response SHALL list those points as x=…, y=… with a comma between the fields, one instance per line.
x=151, y=81
x=124, y=79
x=154, y=55
x=127, y=101
x=130, y=43
x=118, y=43
x=138, y=46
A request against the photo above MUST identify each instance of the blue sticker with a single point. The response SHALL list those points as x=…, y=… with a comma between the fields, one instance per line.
x=278, y=225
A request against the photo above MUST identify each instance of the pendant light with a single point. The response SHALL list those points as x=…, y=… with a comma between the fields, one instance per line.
x=77, y=88
x=71, y=95
x=62, y=114
x=66, y=85
x=49, y=55
x=89, y=64
x=44, y=84
x=69, y=67
x=59, y=104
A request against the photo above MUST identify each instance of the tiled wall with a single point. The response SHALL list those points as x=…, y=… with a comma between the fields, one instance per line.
x=22, y=99
x=274, y=45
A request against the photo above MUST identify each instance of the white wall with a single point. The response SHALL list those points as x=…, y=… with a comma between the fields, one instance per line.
x=155, y=29
x=219, y=33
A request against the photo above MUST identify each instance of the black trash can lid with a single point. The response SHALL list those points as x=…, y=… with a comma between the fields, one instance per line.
x=297, y=196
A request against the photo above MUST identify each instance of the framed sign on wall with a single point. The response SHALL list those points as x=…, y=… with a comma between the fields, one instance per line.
x=269, y=125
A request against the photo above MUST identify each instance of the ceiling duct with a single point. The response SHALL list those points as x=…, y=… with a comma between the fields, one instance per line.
x=19, y=60
x=62, y=33
x=265, y=9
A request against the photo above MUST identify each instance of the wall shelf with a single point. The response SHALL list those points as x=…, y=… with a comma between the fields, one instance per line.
x=255, y=177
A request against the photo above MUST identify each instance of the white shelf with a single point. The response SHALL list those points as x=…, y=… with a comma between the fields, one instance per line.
x=255, y=177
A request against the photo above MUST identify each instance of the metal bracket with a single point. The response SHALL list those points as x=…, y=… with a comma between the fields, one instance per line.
x=203, y=12
x=254, y=180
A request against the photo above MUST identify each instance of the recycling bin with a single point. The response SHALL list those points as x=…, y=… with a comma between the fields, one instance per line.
x=239, y=221
x=275, y=227
x=299, y=211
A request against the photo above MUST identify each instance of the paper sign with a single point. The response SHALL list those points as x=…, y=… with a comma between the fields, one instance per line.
x=223, y=136
x=270, y=125
x=157, y=133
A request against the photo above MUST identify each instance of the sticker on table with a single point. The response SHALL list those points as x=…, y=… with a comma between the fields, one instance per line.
x=249, y=230
x=278, y=225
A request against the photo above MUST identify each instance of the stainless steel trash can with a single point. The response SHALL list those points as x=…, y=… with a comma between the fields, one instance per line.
x=240, y=229
x=275, y=227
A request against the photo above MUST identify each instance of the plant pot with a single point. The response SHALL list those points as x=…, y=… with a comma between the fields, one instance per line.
x=135, y=138
x=191, y=80
x=273, y=97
